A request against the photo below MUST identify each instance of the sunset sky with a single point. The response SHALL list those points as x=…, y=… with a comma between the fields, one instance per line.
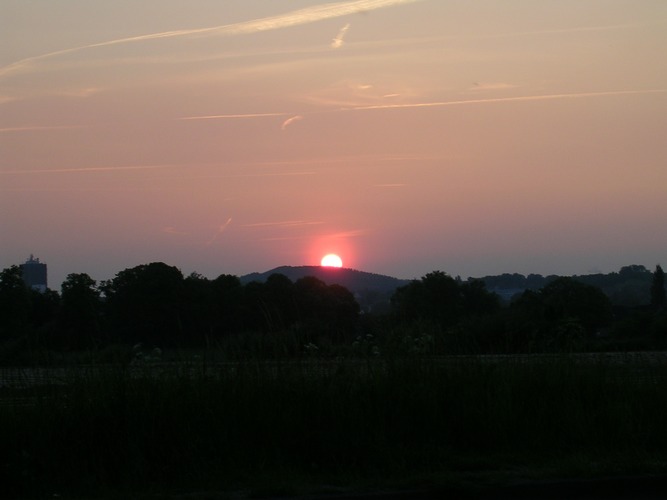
x=474, y=137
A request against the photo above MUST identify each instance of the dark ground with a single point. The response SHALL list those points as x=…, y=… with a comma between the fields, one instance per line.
x=616, y=488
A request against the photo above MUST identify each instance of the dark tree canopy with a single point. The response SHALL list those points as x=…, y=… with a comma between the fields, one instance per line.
x=78, y=321
x=15, y=304
x=658, y=294
x=145, y=302
x=566, y=299
x=442, y=299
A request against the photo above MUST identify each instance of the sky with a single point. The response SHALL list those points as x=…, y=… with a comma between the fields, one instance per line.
x=407, y=136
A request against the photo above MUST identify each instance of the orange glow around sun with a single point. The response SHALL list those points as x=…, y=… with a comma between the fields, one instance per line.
x=331, y=260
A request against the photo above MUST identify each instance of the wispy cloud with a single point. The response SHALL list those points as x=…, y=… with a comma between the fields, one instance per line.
x=221, y=229
x=287, y=223
x=353, y=233
x=478, y=86
x=172, y=230
x=39, y=128
x=83, y=169
x=233, y=116
x=291, y=120
x=338, y=41
x=435, y=104
x=295, y=18
x=277, y=174
x=545, y=97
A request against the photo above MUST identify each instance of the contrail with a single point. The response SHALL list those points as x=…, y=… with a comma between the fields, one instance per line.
x=37, y=128
x=506, y=99
x=221, y=230
x=294, y=18
x=338, y=41
x=289, y=121
x=544, y=97
x=287, y=223
x=222, y=117
x=84, y=169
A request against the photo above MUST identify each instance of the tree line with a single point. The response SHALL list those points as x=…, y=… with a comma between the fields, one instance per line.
x=156, y=305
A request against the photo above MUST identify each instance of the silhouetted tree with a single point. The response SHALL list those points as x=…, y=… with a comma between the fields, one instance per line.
x=45, y=307
x=436, y=297
x=79, y=318
x=228, y=303
x=476, y=300
x=144, y=304
x=658, y=296
x=439, y=298
x=197, y=308
x=562, y=314
x=15, y=305
x=279, y=301
x=568, y=298
x=331, y=309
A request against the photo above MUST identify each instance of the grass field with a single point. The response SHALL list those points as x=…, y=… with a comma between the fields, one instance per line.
x=319, y=425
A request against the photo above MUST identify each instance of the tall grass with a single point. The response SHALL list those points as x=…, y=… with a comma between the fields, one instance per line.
x=234, y=425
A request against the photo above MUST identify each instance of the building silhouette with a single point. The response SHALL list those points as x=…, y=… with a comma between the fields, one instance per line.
x=34, y=274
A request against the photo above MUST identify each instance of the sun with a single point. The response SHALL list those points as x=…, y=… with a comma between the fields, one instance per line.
x=331, y=260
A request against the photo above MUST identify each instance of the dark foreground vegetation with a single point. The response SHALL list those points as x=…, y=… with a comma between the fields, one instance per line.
x=155, y=383
x=308, y=426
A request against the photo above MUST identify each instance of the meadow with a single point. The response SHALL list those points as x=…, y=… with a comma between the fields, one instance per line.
x=253, y=427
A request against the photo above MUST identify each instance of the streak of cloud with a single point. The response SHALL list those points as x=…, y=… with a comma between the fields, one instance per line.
x=286, y=238
x=295, y=18
x=220, y=230
x=348, y=234
x=546, y=97
x=339, y=40
x=277, y=174
x=288, y=223
x=233, y=116
x=172, y=230
x=291, y=120
x=478, y=86
x=39, y=128
x=84, y=169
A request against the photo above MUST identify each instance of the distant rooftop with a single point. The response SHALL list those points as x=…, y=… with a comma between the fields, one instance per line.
x=32, y=260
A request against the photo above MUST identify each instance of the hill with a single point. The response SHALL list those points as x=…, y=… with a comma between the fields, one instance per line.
x=372, y=291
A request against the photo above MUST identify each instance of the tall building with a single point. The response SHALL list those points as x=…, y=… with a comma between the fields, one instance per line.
x=34, y=274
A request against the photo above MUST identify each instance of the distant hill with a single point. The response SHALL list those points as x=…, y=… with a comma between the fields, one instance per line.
x=353, y=280
x=372, y=291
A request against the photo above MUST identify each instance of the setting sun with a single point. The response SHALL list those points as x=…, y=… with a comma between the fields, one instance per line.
x=331, y=260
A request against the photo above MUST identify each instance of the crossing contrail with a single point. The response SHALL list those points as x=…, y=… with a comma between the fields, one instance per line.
x=294, y=18
x=544, y=97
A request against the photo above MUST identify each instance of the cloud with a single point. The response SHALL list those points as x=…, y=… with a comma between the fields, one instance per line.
x=85, y=169
x=434, y=104
x=220, y=230
x=295, y=18
x=491, y=86
x=277, y=174
x=289, y=121
x=233, y=116
x=172, y=230
x=353, y=233
x=287, y=223
x=338, y=41
x=38, y=128
x=546, y=97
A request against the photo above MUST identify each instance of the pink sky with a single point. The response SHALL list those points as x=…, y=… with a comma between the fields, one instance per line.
x=407, y=136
